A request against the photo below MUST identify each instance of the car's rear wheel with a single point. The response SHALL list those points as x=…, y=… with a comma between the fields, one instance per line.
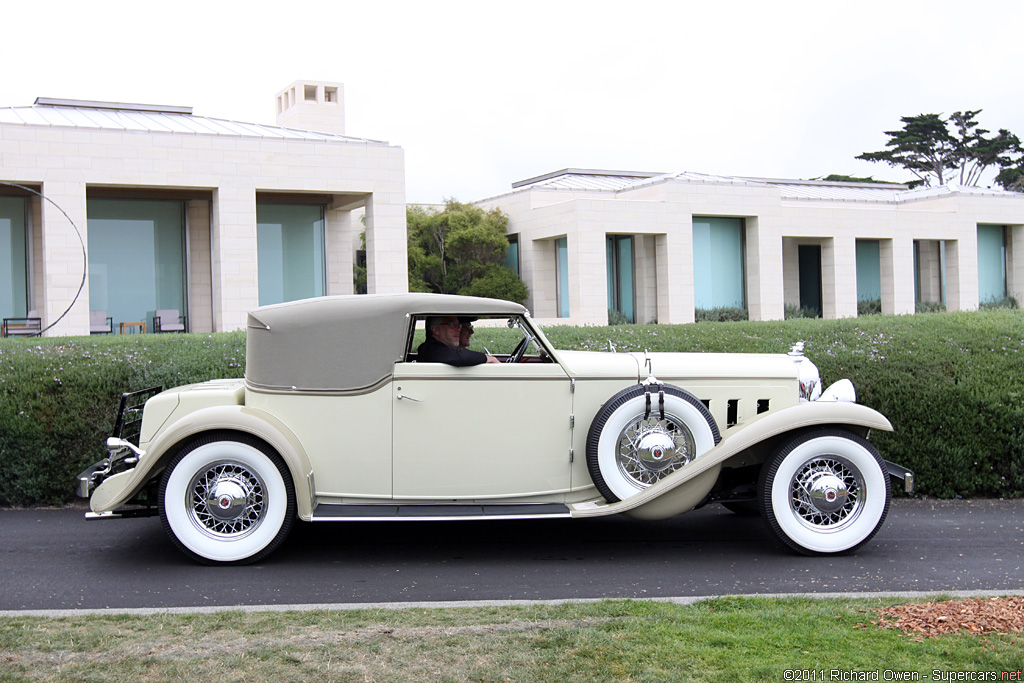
x=643, y=434
x=227, y=499
x=825, y=492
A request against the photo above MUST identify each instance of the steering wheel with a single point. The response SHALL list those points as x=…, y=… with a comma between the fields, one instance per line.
x=519, y=352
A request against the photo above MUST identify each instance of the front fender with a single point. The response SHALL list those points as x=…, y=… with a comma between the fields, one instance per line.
x=118, y=489
x=669, y=497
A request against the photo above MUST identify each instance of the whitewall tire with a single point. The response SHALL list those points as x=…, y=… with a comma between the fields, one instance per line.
x=825, y=492
x=643, y=434
x=227, y=498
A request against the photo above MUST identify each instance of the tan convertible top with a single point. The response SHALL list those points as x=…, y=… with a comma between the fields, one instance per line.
x=343, y=343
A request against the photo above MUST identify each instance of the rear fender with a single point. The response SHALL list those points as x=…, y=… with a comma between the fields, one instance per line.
x=117, y=490
x=670, y=497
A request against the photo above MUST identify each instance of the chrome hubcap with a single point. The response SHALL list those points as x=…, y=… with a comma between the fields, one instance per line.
x=827, y=493
x=226, y=500
x=650, y=449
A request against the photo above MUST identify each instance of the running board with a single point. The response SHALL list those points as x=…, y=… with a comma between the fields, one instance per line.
x=428, y=513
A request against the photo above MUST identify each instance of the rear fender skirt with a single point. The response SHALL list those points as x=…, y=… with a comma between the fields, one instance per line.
x=236, y=418
x=734, y=441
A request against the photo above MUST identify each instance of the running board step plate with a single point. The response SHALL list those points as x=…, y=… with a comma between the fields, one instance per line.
x=400, y=513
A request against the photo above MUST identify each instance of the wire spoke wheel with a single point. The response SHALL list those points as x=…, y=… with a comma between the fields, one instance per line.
x=651, y=448
x=824, y=492
x=643, y=434
x=228, y=500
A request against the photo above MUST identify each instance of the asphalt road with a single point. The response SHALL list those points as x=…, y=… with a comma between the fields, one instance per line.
x=55, y=559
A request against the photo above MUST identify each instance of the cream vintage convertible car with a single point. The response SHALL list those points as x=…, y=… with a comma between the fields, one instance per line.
x=337, y=421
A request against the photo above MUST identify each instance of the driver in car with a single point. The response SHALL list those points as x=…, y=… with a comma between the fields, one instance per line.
x=442, y=344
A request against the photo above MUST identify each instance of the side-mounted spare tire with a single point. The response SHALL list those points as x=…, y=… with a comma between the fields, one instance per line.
x=643, y=434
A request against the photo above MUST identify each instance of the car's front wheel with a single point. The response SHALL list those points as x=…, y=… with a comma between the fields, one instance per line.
x=825, y=492
x=227, y=499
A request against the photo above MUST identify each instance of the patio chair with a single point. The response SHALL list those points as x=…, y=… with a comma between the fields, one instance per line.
x=22, y=327
x=168, y=320
x=100, y=323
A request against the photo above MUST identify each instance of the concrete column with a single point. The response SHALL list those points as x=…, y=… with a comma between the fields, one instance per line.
x=675, y=273
x=200, y=278
x=64, y=258
x=791, y=272
x=538, y=265
x=1015, y=263
x=343, y=228
x=839, y=277
x=588, y=277
x=961, y=293
x=387, y=260
x=235, y=256
x=929, y=275
x=764, y=271
x=896, y=257
x=645, y=278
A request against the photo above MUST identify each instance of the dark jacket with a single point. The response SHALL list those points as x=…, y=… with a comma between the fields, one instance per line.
x=433, y=351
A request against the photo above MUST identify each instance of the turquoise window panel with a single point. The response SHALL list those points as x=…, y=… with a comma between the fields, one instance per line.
x=991, y=262
x=512, y=255
x=136, y=257
x=619, y=261
x=562, y=275
x=718, y=274
x=291, y=248
x=869, y=270
x=13, y=258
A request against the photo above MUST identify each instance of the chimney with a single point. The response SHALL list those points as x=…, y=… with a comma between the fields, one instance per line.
x=312, y=105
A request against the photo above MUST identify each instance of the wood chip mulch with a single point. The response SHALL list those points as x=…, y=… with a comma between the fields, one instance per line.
x=976, y=617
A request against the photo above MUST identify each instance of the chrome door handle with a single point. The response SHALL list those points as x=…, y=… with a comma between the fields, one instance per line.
x=409, y=398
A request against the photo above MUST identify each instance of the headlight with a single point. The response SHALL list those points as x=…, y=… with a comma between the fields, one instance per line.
x=842, y=390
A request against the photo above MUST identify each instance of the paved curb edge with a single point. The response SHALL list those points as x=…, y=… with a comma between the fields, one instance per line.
x=344, y=606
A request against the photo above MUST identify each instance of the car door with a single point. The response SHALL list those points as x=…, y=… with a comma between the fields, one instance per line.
x=492, y=431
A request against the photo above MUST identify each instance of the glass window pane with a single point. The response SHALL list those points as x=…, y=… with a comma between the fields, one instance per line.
x=869, y=270
x=512, y=255
x=136, y=258
x=624, y=270
x=290, y=239
x=13, y=258
x=718, y=262
x=619, y=259
x=562, y=276
x=991, y=263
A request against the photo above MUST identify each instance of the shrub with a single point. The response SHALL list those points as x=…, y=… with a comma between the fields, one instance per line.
x=58, y=399
x=951, y=383
x=869, y=307
x=720, y=315
x=1005, y=302
x=617, y=318
x=929, y=307
x=792, y=311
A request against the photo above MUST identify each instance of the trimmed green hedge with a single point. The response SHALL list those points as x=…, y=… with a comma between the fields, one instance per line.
x=951, y=383
x=59, y=399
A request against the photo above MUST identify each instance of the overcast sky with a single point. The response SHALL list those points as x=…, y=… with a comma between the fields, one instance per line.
x=482, y=94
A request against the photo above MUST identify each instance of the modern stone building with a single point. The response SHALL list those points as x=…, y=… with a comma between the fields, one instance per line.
x=657, y=247
x=173, y=211
x=125, y=210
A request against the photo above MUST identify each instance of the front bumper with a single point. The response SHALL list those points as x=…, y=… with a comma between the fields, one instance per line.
x=121, y=455
x=900, y=476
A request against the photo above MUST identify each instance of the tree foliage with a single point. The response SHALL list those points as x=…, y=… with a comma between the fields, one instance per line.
x=952, y=150
x=461, y=250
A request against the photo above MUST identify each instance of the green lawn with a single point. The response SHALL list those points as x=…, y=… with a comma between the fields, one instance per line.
x=724, y=639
